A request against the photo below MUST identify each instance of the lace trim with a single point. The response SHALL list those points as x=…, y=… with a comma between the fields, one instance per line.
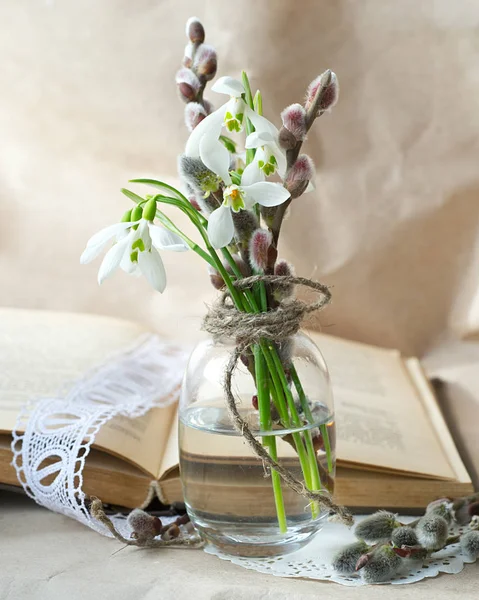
x=53, y=436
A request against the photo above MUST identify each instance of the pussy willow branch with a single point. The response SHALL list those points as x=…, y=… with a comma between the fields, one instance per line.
x=203, y=81
x=292, y=155
x=97, y=512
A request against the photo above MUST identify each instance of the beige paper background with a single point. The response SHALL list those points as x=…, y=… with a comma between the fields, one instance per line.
x=87, y=101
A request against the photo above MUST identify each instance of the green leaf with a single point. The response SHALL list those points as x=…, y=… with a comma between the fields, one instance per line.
x=258, y=103
x=160, y=185
x=228, y=143
x=132, y=196
x=235, y=177
x=247, y=89
x=250, y=152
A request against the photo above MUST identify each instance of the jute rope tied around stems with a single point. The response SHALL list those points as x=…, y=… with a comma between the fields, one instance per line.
x=225, y=320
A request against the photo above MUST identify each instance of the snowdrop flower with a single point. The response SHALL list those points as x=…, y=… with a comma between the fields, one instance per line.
x=135, y=250
x=204, y=142
x=269, y=157
x=241, y=197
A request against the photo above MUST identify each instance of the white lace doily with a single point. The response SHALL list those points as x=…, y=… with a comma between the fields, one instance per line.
x=54, y=435
x=314, y=560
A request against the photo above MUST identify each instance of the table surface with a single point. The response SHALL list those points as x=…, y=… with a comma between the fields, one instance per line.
x=45, y=555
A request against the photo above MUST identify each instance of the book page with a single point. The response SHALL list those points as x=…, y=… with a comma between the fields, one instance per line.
x=381, y=421
x=170, y=456
x=433, y=409
x=42, y=352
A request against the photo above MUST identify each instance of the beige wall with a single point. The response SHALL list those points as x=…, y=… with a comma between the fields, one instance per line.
x=88, y=101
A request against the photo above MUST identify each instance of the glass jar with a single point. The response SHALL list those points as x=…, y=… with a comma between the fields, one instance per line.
x=232, y=500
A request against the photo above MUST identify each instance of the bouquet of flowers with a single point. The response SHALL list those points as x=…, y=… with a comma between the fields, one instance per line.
x=237, y=200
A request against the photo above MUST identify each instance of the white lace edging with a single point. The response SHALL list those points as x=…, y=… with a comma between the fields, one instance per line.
x=53, y=436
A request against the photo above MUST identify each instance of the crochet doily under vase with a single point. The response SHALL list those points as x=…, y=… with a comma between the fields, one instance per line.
x=314, y=560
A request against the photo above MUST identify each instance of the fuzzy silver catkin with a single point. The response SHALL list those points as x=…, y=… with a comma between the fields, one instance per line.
x=441, y=510
x=404, y=536
x=294, y=120
x=197, y=175
x=383, y=566
x=377, y=527
x=470, y=545
x=432, y=531
x=286, y=139
x=194, y=114
x=330, y=94
x=195, y=30
x=259, y=245
x=345, y=560
x=284, y=269
x=299, y=176
x=205, y=62
x=144, y=526
x=188, y=84
x=245, y=223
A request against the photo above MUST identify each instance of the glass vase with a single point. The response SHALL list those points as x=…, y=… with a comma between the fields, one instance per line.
x=235, y=502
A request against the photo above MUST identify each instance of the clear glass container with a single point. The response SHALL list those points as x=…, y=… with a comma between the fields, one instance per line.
x=228, y=495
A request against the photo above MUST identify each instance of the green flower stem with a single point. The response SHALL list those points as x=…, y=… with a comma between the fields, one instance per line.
x=281, y=405
x=272, y=367
x=314, y=482
x=279, y=392
x=307, y=411
x=250, y=152
x=327, y=446
x=162, y=186
x=276, y=481
x=307, y=457
x=315, y=475
x=262, y=297
x=269, y=442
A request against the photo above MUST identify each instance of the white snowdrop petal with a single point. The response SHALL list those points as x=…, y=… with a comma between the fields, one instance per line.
x=216, y=157
x=210, y=126
x=266, y=193
x=281, y=161
x=126, y=265
x=258, y=138
x=112, y=260
x=153, y=269
x=261, y=124
x=220, y=227
x=90, y=253
x=106, y=234
x=228, y=85
x=163, y=239
x=252, y=174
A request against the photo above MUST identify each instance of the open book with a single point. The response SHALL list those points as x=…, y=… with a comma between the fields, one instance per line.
x=394, y=448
